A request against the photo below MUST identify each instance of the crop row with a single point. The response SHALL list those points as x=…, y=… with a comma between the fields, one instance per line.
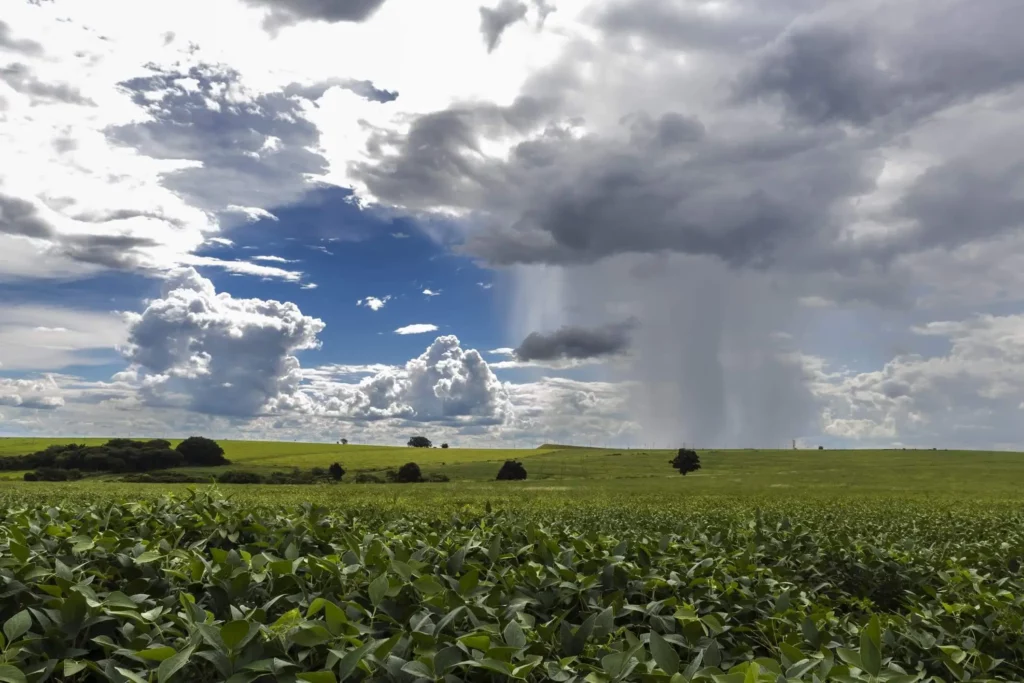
x=200, y=588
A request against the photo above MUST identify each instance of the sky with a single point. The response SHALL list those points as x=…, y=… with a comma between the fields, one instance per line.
x=719, y=223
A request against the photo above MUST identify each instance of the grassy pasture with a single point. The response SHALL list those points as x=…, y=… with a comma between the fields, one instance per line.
x=781, y=473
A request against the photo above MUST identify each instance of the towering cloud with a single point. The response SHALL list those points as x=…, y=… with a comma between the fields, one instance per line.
x=445, y=384
x=216, y=354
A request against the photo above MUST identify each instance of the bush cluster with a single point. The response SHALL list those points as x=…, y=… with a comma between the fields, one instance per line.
x=512, y=470
x=119, y=455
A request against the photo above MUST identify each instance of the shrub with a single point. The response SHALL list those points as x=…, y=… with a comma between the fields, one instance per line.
x=444, y=445
x=55, y=474
x=686, y=460
x=31, y=476
x=336, y=471
x=409, y=473
x=367, y=478
x=512, y=470
x=821, y=448
x=437, y=477
x=239, y=477
x=199, y=451
x=419, y=442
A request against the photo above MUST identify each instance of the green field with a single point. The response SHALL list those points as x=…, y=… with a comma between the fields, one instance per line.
x=604, y=566
x=785, y=473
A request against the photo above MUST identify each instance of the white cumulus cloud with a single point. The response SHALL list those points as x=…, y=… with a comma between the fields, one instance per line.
x=214, y=353
x=374, y=303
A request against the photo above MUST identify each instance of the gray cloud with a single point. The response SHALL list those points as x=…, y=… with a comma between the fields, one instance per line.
x=282, y=13
x=494, y=21
x=19, y=77
x=255, y=150
x=23, y=45
x=756, y=166
x=22, y=218
x=925, y=57
x=724, y=169
x=365, y=89
x=576, y=343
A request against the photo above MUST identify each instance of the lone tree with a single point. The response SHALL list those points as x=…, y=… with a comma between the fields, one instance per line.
x=202, y=452
x=419, y=442
x=344, y=442
x=444, y=445
x=336, y=471
x=409, y=473
x=686, y=460
x=512, y=470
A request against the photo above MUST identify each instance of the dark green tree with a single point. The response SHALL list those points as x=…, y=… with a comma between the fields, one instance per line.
x=686, y=460
x=512, y=470
x=409, y=473
x=419, y=442
x=199, y=451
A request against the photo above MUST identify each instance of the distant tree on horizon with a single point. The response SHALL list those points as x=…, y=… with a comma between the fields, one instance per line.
x=344, y=442
x=419, y=442
x=686, y=460
x=444, y=445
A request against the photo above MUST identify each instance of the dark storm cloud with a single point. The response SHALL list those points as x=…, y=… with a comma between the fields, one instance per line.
x=727, y=177
x=494, y=20
x=576, y=343
x=254, y=149
x=365, y=89
x=856, y=72
x=287, y=12
x=439, y=156
x=23, y=45
x=20, y=78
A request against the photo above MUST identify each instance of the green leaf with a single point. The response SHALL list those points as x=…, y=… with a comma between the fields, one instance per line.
x=10, y=674
x=73, y=666
x=156, y=654
x=234, y=633
x=870, y=651
x=172, y=665
x=17, y=626
x=664, y=654
x=418, y=669
x=317, y=677
x=148, y=556
x=851, y=657
x=130, y=675
x=514, y=635
x=428, y=585
x=378, y=588
x=492, y=665
x=468, y=582
x=476, y=641
x=351, y=660
x=315, y=607
x=446, y=659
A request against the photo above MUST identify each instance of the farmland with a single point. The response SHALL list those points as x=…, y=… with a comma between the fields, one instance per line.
x=603, y=566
